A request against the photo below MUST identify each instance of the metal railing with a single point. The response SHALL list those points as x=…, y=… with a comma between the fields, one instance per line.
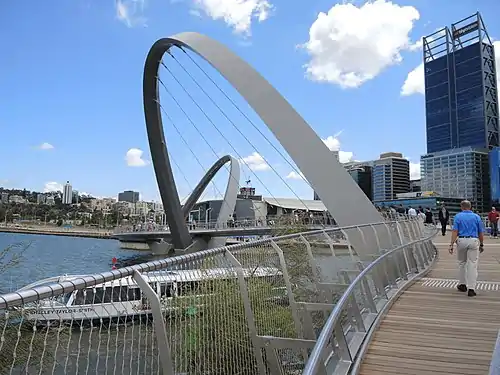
x=339, y=350
x=244, y=223
x=251, y=308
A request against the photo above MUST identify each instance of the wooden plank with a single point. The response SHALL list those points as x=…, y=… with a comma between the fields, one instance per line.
x=439, y=330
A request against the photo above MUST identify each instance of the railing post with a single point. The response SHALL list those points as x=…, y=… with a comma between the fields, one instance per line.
x=389, y=233
x=344, y=352
x=400, y=233
x=248, y=312
x=355, y=311
x=288, y=284
x=376, y=237
x=367, y=293
x=362, y=236
x=310, y=256
x=330, y=243
x=158, y=324
x=349, y=244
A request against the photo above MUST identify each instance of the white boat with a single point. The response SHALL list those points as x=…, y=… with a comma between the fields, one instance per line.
x=122, y=298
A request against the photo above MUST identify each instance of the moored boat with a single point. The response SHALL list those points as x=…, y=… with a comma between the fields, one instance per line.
x=123, y=299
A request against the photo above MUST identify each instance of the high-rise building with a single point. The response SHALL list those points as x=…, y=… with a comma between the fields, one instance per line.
x=494, y=159
x=75, y=196
x=461, y=103
x=390, y=176
x=67, y=197
x=460, y=87
x=458, y=173
x=362, y=174
x=128, y=196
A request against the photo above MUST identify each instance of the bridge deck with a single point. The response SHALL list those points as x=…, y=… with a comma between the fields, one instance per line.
x=435, y=329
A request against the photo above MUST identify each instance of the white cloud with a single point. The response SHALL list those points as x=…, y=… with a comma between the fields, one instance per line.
x=415, y=82
x=333, y=144
x=295, y=176
x=350, y=45
x=133, y=157
x=237, y=14
x=130, y=12
x=52, y=186
x=414, y=171
x=255, y=162
x=45, y=146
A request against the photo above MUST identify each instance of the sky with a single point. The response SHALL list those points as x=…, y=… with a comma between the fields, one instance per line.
x=71, y=87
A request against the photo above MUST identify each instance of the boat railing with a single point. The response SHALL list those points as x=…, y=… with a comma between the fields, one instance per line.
x=248, y=321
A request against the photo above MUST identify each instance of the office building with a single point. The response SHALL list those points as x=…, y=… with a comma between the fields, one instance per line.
x=75, y=196
x=415, y=185
x=458, y=173
x=67, y=197
x=128, y=196
x=460, y=87
x=494, y=159
x=362, y=174
x=390, y=176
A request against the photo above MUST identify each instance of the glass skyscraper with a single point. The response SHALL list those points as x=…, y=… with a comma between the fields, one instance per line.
x=460, y=87
x=495, y=175
x=461, y=104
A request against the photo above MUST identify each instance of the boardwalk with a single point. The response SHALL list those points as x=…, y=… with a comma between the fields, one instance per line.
x=435, y=329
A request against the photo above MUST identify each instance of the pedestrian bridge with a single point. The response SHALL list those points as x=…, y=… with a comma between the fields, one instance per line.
x=203, y=233
x=281, y=305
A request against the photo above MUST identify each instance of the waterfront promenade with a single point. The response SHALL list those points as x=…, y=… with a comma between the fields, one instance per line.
x=58, y=231
x=435, y=329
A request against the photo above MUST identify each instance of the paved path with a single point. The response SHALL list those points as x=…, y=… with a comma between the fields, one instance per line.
x=435, y=329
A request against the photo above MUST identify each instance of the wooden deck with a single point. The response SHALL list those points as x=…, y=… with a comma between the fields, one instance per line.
x=435, y=329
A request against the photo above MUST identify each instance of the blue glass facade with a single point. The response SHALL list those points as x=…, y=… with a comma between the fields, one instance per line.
x=495, y=174
x=455, y=101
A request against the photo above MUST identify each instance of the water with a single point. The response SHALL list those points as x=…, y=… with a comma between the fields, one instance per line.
x=46, y=256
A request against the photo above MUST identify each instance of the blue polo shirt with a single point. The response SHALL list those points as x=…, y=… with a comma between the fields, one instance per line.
x=468, y=224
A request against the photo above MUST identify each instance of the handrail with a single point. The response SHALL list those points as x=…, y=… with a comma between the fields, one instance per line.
x=495, y=359
x=315, y=357
x=25, y=296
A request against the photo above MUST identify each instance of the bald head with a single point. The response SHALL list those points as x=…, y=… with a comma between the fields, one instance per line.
x=465, y=205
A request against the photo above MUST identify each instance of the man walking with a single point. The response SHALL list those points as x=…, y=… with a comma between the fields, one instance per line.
x=468, y=233
x=412, y=213
x=444, y=217
x=493, y=219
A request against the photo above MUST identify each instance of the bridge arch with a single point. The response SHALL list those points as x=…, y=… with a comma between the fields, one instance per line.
x=230, y=195
x=339, y=192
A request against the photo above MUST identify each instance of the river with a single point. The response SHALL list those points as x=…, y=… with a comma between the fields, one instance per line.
x=40, y=256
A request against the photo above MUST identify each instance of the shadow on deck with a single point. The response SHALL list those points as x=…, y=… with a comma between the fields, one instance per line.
x=432, y=328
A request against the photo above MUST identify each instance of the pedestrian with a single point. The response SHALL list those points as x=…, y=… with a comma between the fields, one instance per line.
x=444, y=218
x=428, y=216
x=493, y=216
x=412, y=213
x=468, y=231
